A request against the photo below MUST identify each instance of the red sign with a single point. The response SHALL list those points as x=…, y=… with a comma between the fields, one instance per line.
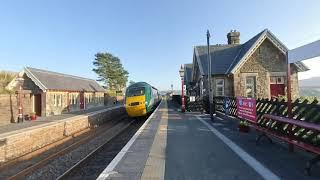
x=246, y=109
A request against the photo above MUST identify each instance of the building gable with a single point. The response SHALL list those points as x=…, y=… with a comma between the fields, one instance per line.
x=195, y=68
x=266, y=58
x=253, y=44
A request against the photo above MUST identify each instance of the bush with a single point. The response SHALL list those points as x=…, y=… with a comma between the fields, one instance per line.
x=5, y=79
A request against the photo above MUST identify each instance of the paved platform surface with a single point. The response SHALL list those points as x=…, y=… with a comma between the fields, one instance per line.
x=43, y=120
x=173, y=145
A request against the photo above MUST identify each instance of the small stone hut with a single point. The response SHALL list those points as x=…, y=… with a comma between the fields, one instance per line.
x=54, y=93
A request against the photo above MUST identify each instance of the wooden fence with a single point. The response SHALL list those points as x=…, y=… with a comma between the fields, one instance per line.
x=195, y=106
x=301, y=110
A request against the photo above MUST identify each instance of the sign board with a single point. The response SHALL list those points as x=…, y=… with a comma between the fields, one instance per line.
x=226, y=106
x=307, y=51
x=184, y=90
x=192, y=98
x=246, y=109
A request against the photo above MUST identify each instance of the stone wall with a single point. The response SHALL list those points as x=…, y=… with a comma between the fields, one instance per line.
x=20, y=142
x=294, y=83
x=9, y=106
x=228, y=84
x=265, y=61
x=58, y=107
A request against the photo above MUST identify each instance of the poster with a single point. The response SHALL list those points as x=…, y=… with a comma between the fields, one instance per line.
x=246, y=109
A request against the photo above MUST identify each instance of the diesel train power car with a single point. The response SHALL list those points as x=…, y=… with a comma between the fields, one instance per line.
x=141, y=99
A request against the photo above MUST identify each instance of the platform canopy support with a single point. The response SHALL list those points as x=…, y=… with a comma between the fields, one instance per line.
x=305, y=52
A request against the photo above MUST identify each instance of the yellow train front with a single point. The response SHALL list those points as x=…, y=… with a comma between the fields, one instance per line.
x=141, y=99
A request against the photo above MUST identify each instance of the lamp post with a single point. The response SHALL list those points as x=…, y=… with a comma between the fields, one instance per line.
x=183, y=107
x=209, y=75
x=172, y=89
x=20, y=110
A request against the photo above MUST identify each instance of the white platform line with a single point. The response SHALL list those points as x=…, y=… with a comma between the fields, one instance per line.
x=109, y=169
x=251, y=161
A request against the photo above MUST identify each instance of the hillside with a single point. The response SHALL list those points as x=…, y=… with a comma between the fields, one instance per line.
x=310, y=87
x=311, y=82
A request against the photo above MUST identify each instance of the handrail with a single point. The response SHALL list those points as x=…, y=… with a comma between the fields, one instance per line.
x=307, y=125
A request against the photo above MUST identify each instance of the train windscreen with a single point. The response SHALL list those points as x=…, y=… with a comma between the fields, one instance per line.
x=137, y=91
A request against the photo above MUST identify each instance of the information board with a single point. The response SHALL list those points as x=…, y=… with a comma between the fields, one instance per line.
x=246, y=109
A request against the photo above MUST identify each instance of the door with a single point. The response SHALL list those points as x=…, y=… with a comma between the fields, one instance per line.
x=81, y=100
x=277, y=90
x=277, y=86
x=37, y=104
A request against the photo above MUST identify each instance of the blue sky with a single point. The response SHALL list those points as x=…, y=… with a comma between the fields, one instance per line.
x=152, y=38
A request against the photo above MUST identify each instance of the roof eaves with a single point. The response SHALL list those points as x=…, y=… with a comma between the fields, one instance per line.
x=278, y=41
x=301, y=66
x=192, y=66
x=198, y=60
x=35, y=79
x=231, y=65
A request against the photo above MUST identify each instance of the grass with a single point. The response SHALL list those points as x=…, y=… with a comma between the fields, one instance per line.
x=5, y=78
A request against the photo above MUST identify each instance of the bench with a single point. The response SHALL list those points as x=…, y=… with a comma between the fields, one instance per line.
x=295, y=132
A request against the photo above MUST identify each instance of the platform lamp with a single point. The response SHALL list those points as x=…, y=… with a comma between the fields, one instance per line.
x=181, y=72
x=20, y=110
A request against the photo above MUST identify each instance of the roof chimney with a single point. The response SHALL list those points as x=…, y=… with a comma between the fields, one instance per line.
x=233, y=37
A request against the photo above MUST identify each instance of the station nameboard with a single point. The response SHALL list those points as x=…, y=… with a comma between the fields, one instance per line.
x=246, y=109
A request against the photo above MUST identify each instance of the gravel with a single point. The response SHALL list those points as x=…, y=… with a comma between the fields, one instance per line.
x=58, y=166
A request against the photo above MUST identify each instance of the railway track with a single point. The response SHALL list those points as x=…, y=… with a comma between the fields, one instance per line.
x=94, y=163
x=25, y=172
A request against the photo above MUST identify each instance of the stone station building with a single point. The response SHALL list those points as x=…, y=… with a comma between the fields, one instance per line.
x=254, y=69
x=55, y=93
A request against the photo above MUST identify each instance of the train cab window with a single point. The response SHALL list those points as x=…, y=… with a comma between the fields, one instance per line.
x=138, y=91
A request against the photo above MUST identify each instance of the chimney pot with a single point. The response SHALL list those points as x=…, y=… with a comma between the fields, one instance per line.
x=233, y=37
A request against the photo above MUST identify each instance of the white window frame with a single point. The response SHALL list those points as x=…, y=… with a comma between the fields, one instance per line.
x=54, y=100
x=253, y=86
x=59, y=100
x=275, y=80
x=281, y=80
x=218, y=85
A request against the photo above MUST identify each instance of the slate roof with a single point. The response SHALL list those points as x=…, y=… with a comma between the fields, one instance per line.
x=188, y=72
x=225, y=57
x=48, y=80
x=221, y=57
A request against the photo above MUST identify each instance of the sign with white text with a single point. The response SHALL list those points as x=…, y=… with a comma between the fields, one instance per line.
x=246, y=109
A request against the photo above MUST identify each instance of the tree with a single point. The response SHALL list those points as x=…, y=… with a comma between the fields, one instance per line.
x=110, y=71
x=5, y=78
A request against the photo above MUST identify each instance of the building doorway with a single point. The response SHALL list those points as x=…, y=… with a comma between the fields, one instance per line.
x=81, y=100
x=277, y=86
x=37, y=104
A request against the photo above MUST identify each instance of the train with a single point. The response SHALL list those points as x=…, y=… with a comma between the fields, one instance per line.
x=141, y=99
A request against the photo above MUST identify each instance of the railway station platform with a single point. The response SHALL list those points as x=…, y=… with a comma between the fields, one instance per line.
x=175, y=145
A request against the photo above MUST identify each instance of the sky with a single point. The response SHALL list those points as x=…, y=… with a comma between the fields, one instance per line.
x=152, y=38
